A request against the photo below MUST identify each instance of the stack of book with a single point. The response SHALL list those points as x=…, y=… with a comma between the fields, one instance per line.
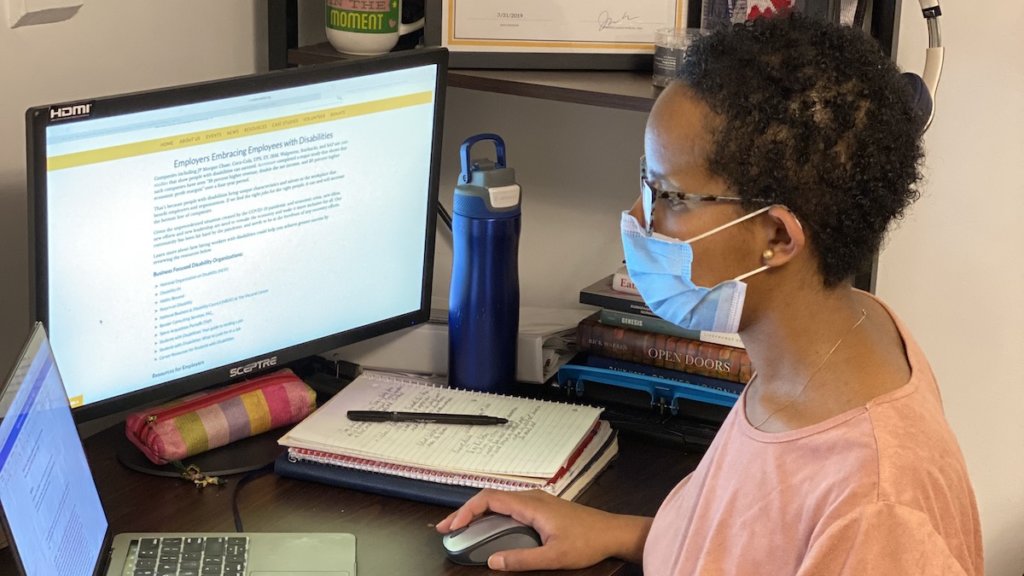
x=551, y=446
x=625, y=337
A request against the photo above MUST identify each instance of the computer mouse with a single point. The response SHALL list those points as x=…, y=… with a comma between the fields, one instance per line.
x=473, y=544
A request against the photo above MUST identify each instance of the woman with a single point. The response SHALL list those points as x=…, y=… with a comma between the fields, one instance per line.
x=773, y=168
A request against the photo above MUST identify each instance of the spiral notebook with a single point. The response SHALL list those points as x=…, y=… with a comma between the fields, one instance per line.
x=545, y=444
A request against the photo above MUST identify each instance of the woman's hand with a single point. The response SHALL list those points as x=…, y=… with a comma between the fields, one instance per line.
x=573, y=535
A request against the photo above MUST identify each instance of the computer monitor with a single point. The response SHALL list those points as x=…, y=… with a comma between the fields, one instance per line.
x=201, y=234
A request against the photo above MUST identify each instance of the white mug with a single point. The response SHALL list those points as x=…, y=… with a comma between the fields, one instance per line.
x=366, y=27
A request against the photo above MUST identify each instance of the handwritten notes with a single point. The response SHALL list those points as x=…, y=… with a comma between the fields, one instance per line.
x=538, y=439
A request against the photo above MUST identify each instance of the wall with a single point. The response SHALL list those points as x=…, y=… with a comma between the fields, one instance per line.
x=953, y=270
x=107, y=48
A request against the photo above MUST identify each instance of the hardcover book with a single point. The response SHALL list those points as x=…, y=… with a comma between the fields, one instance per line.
x=601, y=294
x=655, y=324
x=663, y=351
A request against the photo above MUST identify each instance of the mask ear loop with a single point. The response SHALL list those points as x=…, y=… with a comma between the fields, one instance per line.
x=742, y=277
x=733, y=223
x=728, y=224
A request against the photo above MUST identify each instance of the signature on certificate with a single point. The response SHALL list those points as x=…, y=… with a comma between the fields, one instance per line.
x=605, y=21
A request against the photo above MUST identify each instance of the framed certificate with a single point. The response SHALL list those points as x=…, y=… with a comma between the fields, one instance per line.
x=551, y=34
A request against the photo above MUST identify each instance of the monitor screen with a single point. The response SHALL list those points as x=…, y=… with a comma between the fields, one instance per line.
x=199, y=234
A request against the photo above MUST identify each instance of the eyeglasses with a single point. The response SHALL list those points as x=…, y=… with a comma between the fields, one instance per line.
x=649, y=194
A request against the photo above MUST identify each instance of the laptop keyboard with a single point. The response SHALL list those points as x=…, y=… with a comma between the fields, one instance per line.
x=188, y=556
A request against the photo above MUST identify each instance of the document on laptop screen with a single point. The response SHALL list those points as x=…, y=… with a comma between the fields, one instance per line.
x=49, y=499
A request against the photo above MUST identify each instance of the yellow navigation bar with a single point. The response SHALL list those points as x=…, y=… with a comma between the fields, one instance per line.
x=237, y=131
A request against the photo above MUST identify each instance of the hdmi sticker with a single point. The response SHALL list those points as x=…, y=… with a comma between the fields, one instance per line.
x=71, y=111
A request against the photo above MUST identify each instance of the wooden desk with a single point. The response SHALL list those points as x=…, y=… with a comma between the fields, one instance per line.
x=394, y=537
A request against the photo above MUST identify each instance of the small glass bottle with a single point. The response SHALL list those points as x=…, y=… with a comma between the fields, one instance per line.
x=669, y=48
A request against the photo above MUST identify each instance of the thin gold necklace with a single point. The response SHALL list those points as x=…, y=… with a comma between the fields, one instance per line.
x=863, y=315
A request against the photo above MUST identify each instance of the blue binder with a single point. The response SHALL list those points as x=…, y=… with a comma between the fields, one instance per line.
x=663, y=392
x=384, y=484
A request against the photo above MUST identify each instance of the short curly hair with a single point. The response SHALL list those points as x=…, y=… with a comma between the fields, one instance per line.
x=815, y=117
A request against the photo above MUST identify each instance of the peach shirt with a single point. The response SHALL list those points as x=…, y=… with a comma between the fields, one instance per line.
x=880, y=489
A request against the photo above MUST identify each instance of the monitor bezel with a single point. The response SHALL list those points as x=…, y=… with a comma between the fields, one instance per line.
x=37, y=119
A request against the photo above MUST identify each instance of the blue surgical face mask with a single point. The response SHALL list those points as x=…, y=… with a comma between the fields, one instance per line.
x=661, y=269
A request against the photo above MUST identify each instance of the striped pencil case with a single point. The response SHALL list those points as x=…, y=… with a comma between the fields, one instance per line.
x=207, y=420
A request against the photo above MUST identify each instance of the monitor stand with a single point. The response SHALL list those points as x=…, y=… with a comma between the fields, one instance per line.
x=238, y=457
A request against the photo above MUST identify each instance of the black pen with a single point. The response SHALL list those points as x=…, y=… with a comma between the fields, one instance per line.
x=426, y=417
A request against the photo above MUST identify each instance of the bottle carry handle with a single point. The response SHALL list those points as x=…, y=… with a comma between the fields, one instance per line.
x=467, y=166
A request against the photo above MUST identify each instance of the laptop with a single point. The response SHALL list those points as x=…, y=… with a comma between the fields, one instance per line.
x=55, y=521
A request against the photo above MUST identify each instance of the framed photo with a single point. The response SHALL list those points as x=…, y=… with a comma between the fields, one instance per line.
x=551, y=34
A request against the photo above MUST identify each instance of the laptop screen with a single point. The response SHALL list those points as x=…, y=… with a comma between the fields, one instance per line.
x=50, y=502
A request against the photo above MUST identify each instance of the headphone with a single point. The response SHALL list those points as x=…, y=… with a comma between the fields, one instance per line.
x=923, y=87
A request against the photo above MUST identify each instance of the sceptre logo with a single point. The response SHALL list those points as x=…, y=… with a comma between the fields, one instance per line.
x=70, y=111
x=257, y=365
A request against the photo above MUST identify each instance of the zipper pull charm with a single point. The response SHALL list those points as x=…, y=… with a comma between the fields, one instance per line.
x=197, y=476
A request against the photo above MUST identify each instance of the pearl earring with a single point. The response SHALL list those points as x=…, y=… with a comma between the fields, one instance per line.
x=768, y=254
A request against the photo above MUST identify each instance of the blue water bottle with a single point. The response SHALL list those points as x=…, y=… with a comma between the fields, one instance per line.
x=483, y=306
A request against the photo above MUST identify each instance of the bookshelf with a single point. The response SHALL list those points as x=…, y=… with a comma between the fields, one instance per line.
x=625, y=90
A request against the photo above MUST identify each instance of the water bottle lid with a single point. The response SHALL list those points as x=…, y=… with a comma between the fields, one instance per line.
x=464, y=150
x=486, y=189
